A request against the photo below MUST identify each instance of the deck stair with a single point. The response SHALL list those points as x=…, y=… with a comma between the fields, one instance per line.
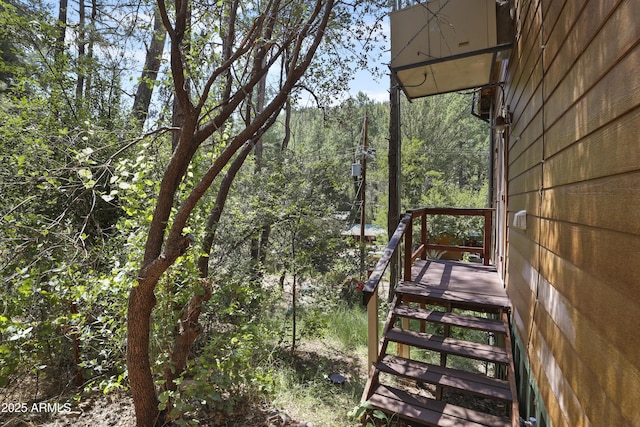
x=445, y=301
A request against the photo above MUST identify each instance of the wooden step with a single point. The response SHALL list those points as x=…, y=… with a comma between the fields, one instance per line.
x=465, y=298
x=476, y=384
x=484, y=352
x=451, y=319
x=430, y=412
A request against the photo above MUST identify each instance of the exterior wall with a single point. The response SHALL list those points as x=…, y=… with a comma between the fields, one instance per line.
x=572, y=158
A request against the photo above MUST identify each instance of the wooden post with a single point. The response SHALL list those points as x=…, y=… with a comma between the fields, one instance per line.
x=372, y=329
x=487, y=237
x=443, y=356
x=408, y=249
x=423, y=236
x=404, y=350
x=363, y=198
x=393, y=162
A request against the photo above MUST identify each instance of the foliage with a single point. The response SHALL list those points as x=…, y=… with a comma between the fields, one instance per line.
x=348, y=325
x=55, y=232
x=461, y=229
x=371, y=417
x=303, y=385
x=64, y=236
x=444, y=149
x=229, y=373
x=341, y=287
x=304, y=238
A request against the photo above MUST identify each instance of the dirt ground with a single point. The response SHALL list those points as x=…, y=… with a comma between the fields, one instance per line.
x=96, y=411
x=26, y=406
x=116, y=409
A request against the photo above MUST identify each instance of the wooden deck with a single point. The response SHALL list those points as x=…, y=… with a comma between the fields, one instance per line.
x=461, y=295
x=464, y=285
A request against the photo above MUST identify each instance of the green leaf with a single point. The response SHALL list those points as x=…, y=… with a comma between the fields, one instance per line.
x=379, y=414
x=85, y=174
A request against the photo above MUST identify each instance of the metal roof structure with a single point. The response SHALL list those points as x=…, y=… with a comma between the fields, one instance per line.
x=441, y=46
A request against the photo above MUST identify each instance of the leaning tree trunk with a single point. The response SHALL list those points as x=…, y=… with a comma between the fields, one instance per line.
x=141, y=303
x=190, y=327
x=62, y=29
x=165, y=240
x=152, y=61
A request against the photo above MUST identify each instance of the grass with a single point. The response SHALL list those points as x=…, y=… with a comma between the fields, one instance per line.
x=348, y=325
x=303, y=389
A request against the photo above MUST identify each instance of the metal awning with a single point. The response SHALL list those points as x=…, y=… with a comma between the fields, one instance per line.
x=442, y=46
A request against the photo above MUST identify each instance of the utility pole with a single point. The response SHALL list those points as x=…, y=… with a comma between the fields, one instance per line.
x=363, y=196
x=395, y=144
x=394, y=179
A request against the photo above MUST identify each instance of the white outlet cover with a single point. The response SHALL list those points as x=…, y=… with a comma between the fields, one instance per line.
x=520, y=220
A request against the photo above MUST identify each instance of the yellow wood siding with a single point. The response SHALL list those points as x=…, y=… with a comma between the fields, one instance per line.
x=573, y=85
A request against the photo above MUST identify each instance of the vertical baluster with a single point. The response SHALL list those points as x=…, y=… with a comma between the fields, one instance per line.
x=487, y=237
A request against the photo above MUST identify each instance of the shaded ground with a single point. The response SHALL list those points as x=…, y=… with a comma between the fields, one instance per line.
x=313, y=362
x=309, y=372
x=115, y=409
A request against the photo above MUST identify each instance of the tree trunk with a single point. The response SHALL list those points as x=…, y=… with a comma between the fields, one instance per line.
x=90, y=48
x=294, y=312
x=258, y=244
x=62, y=30
x=152, y=62
x=190, y=328
x=165, y=241
x=141, y=303
x=81, y=61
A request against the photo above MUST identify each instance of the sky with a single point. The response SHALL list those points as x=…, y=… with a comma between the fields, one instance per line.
x=376, y=87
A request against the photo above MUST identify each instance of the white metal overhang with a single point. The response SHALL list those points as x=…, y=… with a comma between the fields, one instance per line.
x=441, y=46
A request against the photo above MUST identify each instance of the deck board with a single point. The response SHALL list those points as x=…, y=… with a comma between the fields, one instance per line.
x=431, y=412
x=466, y=284
x=451, y=319
x=477, y=384
x=484, y=352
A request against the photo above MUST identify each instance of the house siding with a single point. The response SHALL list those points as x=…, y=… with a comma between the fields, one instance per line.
x=573, y=163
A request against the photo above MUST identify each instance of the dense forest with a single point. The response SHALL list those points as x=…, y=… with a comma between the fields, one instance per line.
x=175, y=178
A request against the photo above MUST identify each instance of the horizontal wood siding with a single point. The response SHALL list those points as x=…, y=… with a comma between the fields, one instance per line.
x=524, y=96
x=597, y=203
x=573, y=276
x=521, y=290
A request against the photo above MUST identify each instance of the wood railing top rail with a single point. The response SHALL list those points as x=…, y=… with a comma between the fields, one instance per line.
x=374, y=279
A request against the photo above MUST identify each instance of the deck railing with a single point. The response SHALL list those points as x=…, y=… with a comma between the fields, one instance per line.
x=405, y=230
